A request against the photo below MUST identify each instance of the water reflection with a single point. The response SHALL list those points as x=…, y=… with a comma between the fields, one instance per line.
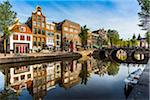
x=107, y=67
x=39, y=79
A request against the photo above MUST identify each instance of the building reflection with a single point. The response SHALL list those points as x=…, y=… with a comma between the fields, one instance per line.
x=20, y=78
x=38, y=79
x=105, y=67
x=69, y=74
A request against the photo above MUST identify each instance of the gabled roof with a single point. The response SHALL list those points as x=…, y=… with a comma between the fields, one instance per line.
x=17, y=27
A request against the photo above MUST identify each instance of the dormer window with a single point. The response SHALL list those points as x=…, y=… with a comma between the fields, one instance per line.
x=22, y=29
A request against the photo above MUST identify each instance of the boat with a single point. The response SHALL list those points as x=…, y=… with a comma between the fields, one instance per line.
x=133, y=78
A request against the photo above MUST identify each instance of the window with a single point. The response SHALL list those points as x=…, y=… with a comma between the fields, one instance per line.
x=39, y=43
x=16, y=79
x=22, y=29
x=57, y=67
x=47, y=26
x=22, y=77
x=52, y=27
x=29, y=75
x=43, y=25
x=76, y=31
x=34, y=23
x=50, y=34
x=34, y=17
x=43, y=32
x=65, y=28
x=34, y=30
x=39, y=31
x=42, y=44
x=15, y=37
x=21, y=37
x=39, y=18
x=34, y=43
x=58, y=43
x=57, y=36
x=28, y=38
x=71, y=30
x=43, y=19
x=38, y=24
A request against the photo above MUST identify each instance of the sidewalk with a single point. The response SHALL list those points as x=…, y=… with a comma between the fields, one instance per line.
x=32, y=57
x=31, y=54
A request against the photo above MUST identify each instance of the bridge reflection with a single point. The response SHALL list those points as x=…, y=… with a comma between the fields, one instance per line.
x=124, y=55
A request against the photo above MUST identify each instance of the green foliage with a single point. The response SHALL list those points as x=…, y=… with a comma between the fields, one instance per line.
x=147, y=36
x=113, y=37
x=134, y=37
x=113, y=68
x=144, y=14
x=139, y=36
x=133, y=40
x=84, y=35
x=7, y=17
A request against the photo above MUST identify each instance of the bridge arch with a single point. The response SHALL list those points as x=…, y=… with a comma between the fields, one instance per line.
x=139, y=55
x=130, y=53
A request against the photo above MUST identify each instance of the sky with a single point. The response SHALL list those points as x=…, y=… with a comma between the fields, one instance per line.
x=120, y=15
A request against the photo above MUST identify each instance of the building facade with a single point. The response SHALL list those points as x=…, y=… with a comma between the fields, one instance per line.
x=50, y=36
x=57, y=42
x=89, y=41
x=37, y=24
x=98, y=37
x=20, y=40
x=142, y=42
x=69, y=34
x=20, y=78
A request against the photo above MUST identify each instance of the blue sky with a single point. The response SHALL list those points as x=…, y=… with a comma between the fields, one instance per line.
x=108, y=14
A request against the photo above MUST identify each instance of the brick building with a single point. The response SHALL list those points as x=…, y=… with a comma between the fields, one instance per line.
x=37, y=24
x=69, y=33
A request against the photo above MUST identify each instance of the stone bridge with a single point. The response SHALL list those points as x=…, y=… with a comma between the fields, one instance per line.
x=130, y=54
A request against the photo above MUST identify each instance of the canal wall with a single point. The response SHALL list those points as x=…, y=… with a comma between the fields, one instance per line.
x=38, y=57
x=141, y=90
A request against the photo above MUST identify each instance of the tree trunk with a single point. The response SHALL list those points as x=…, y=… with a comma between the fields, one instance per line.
x=5, y=45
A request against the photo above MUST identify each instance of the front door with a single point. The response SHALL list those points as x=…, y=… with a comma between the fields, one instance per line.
x=21, y=48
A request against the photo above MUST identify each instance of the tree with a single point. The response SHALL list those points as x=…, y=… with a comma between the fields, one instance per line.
x=113, y=69
x=139, y=36
x=84, y=35
x=7, y=18
x=84, y=73
x=100, y=41
x=134, y=40
x=147, y=36
x=144, y=14
x=113, y=37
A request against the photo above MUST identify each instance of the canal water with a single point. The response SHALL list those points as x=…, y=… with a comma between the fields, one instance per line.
x=72, y=79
